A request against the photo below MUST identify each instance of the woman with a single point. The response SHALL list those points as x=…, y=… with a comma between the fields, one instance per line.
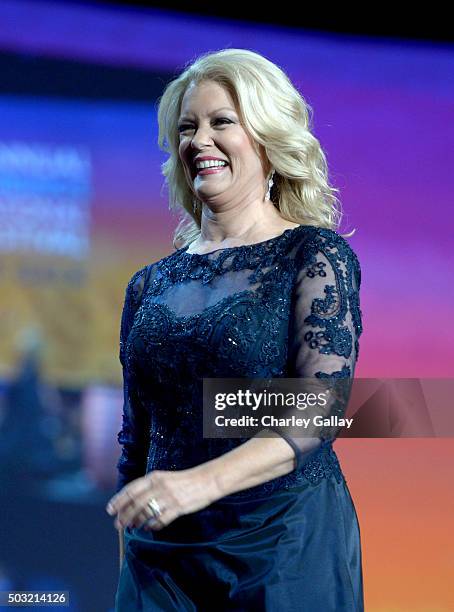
x=260, y=286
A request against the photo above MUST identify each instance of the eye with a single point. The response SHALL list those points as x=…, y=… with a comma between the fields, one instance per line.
x=185, y=126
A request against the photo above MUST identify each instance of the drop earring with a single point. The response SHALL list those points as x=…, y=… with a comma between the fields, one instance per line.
x=270, y=185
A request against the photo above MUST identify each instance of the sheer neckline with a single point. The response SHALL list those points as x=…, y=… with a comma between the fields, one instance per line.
x=244, y=246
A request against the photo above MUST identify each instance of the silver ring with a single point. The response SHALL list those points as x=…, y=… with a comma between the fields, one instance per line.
x=154, y=507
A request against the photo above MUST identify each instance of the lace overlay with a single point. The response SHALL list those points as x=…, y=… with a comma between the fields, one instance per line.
x=285, y=307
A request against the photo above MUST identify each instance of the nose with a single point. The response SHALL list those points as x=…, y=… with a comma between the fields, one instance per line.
x=201, y=138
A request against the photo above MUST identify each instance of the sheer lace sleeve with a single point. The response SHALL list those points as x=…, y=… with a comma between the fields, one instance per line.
x=324, y=329
x=134, y=433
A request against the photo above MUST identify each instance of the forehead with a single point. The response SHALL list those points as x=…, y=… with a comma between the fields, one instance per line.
x=206, y=97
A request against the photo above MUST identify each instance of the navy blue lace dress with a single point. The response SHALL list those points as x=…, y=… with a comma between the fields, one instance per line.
x=285, y=307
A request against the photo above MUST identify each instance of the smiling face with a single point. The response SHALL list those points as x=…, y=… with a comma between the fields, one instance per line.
x=209, y=126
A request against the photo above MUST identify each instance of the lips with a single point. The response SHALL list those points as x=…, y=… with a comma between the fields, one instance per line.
x=198, y=159
x=212, y=170
x=198, y=170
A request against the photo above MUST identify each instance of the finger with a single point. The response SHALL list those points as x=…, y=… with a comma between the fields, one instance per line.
x=158, y=523
x=126, y=496
x=145, y=520
x=142, y=516
x=154, y=525
x=140, y=519
x=168, y=515
x=119, y=502
x=111, y=506
x=134, y=515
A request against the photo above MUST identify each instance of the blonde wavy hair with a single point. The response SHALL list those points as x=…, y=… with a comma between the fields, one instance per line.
x=277, y=117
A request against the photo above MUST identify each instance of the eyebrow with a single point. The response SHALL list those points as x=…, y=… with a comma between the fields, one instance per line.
x=212, y=112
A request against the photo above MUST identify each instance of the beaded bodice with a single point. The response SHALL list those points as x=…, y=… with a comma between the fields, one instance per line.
x=285, y=307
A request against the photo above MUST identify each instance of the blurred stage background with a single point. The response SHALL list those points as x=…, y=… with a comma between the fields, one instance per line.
x=82, y=208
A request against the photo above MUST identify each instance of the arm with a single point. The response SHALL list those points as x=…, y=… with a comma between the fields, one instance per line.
x=324, y=330
x=133, y=435
x=131, y=464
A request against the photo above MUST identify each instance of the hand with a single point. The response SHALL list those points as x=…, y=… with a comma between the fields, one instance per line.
x=177, y=493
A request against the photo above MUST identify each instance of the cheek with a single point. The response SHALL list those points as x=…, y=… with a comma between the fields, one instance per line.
x=238, y=143
x=243, y=148
x=181, y=150
x=183, y=160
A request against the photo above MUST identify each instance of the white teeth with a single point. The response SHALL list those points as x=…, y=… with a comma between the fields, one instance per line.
x=210, y=164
